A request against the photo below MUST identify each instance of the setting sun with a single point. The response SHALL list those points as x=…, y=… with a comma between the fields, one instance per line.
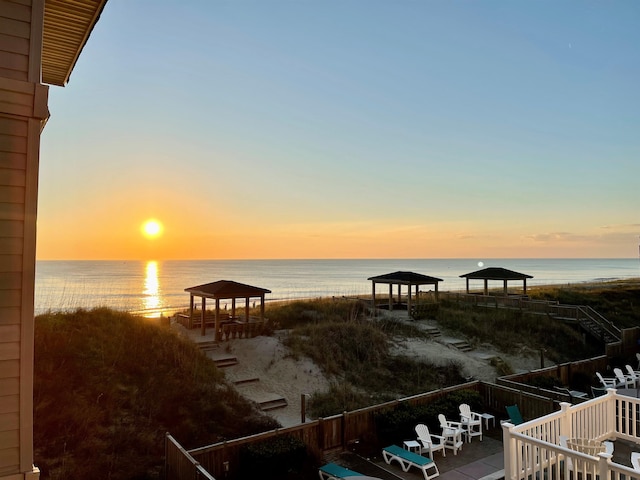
x=152, y=228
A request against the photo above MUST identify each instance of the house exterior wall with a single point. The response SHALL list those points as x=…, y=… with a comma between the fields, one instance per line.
x=23, y=110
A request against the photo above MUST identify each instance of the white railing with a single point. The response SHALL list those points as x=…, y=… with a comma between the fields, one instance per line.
x=532, y=449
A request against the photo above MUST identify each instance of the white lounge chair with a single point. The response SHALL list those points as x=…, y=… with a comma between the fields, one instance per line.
x=608, y=447
x=638, y=357
x=332, y=471
x=635, y=375
x=471, y=422
x=452, y=433
x=429, y=442
x=624, y=381
x=607, y=382
x=635, y=460
x=408, y=459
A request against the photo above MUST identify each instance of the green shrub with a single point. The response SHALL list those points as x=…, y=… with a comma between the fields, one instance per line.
x=398, y=424
x=274, y=458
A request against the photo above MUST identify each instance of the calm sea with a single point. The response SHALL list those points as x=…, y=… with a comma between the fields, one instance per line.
x=155, y=286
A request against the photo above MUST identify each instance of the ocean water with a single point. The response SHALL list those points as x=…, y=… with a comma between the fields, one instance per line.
x=159, y=286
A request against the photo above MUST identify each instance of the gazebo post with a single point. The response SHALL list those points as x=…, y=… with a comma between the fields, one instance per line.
x=217, y=334
x=246, y=308
x=486, y=286
x=203, y=327
x=373, y=297
x=233, y=307
x=506, y=292
x=390, y=296
x=524, y=285
x=467, y=285
x=409, y=301
x=436, y=292
x=262, y=308
x=190, y=310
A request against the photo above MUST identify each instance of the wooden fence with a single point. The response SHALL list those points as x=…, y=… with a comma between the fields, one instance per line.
x=565, y=373
x=180, y=465
x=342, y=432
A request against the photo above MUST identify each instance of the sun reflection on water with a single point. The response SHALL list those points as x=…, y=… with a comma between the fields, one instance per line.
x=152, y=290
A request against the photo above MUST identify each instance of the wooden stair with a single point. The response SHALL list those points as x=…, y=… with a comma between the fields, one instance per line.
x=433, y=332
x=273, y=404
x=461, y=345
x=222, y=362
x=245, y=381
x=207, y=346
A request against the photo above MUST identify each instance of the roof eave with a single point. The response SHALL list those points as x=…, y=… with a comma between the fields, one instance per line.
x=67, y=27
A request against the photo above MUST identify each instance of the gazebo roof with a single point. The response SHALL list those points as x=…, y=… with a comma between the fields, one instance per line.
x=496, y=273
x=226, y=289
x=406, y=278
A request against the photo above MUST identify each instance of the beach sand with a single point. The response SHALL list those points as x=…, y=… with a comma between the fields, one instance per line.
x=266, y=373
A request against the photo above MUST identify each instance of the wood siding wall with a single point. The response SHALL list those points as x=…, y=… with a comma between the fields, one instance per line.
x=23, y=108
x=15, y=36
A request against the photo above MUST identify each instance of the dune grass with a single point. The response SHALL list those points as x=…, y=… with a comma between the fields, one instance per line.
x=514, y=331
x=618, y=301
x=108, y=386
x=355, y=351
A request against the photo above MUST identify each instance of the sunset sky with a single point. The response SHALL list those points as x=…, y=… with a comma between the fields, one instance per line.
x=347, y=129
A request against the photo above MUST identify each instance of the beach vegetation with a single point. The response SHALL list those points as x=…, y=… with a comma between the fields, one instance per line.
x=108, y=386
x=618, y=301
x=516, y=332
x=355, y=350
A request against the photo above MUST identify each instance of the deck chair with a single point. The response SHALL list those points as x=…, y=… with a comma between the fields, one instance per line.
x=408, y=459
x=471, y=421
x=608, y=447
x=635, y=460
x=638, y=357
x=332, y=471
x=607, y=382
x=622, y=379
x=452, y=433
x=429, y=442
x=515, y=416
x=598, y=391
x=634, y=375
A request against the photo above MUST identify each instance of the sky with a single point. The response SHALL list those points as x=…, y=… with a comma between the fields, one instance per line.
x=347, y=129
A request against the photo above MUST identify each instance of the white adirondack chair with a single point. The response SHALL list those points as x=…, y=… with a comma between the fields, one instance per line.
x=430, y=442
x=471, y=421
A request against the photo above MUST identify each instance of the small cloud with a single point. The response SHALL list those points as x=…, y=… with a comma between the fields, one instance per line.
x=622, y=226
x=557, y=237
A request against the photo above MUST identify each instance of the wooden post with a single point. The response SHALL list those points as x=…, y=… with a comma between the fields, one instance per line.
x=203, y=327
x=262, y=308
x=190, y=310
x=303, y=408
x=246, y=308
x=217, y=335
x=409, y=301
x=390, y=297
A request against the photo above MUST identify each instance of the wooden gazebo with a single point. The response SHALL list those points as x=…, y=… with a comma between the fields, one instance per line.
x=225, y=290
x=497, y=273
x=410, y=279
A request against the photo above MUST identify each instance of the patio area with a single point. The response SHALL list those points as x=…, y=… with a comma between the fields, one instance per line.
x=477, y=460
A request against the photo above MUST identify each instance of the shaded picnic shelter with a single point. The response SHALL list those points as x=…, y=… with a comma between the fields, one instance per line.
x=410, y=279
x=497, y=273
x=225, y=290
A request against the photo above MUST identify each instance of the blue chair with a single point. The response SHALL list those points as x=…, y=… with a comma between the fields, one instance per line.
x=515, y=416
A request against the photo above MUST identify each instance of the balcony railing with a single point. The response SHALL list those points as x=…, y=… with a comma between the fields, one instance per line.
x=533, y=450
